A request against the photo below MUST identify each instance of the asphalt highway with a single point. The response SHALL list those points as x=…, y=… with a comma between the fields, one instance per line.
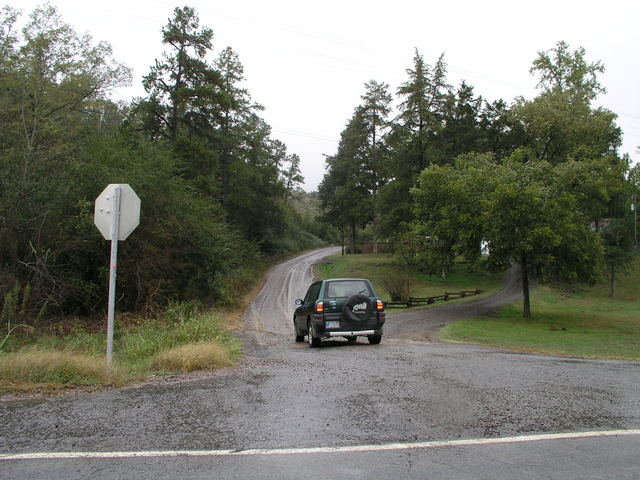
x=411, y=407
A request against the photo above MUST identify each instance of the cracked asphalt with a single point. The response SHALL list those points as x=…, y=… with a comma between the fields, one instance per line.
x=287, y=395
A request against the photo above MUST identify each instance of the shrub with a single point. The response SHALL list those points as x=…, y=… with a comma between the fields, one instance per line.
x=398, y=286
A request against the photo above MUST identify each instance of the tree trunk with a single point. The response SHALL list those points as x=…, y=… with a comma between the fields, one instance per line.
x=353, y=235
x=174, y=96
x=224, y=166
x=526, y=302
x=342, y=237
x=224, y=163
x=613, y=282
x=376, y=223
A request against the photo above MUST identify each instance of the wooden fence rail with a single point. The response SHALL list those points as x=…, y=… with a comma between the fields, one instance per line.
x=413, y=301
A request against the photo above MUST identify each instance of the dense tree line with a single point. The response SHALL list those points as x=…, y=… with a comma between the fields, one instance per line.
x=214, y=183
x=538, y=183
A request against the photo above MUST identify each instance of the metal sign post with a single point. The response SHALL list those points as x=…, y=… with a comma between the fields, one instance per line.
x=117, y=214
x=113, y=265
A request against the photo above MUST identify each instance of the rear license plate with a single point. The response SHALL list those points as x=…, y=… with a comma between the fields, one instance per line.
x=332, y=324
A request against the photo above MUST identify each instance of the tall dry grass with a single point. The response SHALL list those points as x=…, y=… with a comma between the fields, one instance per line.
x=47, y=366
x=194, y=356
x=183, y=338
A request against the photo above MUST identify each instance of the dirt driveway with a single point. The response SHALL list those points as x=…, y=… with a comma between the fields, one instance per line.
x=269, y=317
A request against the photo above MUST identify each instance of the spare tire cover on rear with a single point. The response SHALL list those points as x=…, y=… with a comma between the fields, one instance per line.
x=357, y=308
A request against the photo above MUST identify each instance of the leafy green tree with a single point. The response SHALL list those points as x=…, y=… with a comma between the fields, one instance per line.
x=538, y=227
x=53, y=91
x=557, y=129
x=597, y=184
x=617, y=239
x=517, y=209
x=448, y=203
x=563, y=70
x=560, y=123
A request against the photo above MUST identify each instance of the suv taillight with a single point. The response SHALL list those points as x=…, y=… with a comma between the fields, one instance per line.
x=379, y=305
x=319, y=307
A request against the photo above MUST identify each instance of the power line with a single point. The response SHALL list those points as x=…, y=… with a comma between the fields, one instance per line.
x=339, y=62
x=309, y=33
x=300, y=133
x=629, y=115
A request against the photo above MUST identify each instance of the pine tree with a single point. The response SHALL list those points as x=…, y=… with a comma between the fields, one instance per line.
x=461, y=133
x=414, y=140
x=235, y=110
x=177, y=83
x=374, y=111
x=345, y=191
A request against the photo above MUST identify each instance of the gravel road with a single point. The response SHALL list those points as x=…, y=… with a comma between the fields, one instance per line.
x=285, y=395
x=269, y=317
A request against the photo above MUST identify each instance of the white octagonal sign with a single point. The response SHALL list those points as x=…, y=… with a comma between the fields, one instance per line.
x=129, y=210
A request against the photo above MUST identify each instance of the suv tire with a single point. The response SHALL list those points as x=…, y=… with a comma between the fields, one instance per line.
x=314, y=342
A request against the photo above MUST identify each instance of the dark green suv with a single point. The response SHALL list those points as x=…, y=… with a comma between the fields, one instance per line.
x=339, y=307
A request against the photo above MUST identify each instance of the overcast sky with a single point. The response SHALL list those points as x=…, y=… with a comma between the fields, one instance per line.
x=307, y=62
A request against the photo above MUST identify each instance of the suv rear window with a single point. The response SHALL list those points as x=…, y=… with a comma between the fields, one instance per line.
x=346, y=288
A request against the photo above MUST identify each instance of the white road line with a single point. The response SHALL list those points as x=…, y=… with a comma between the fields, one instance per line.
x=315, y=450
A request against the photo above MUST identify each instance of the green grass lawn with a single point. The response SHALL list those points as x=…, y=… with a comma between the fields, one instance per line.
x=377, y=267
x=586, y=323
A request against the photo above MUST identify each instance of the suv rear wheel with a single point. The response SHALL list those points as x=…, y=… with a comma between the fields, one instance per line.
x=374, y=339
x=313, y=341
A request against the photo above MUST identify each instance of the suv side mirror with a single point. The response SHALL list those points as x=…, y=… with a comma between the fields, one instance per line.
x=298, y=302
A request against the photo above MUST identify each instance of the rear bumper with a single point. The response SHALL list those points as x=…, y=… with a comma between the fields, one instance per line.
x=351, y=334
x=347, y=329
